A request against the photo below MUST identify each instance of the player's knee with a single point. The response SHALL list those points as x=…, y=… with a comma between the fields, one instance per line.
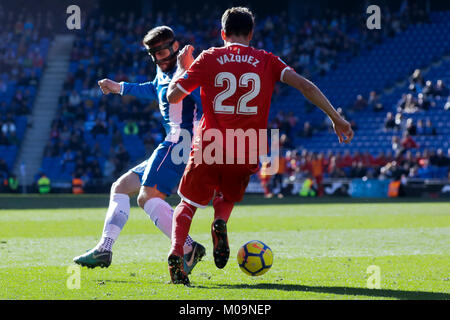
x=187, y=205
x=142, y=199
x=118, y=187
x=114, y=187
x=146, y=194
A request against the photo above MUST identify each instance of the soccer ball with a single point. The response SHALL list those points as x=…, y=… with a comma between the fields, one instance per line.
x=255, y=258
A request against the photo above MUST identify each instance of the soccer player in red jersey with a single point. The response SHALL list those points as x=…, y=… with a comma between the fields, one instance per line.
x=237, y=82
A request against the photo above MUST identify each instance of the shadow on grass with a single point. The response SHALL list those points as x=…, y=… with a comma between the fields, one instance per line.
x=381, y=293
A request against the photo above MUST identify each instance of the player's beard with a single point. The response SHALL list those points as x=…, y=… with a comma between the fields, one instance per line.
x=169, y=65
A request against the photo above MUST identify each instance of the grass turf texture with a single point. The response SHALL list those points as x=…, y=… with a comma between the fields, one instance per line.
x=321, y=251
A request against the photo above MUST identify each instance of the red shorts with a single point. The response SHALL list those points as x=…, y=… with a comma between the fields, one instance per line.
x=201, y=181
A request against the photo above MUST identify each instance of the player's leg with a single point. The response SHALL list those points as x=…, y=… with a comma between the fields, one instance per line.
x=233, y=182
x=182, y=219
x=159, y=211
x=160, y=177
x=222, y=212
x=222, y=207
x=119, y=208
x=116, y=218
x=196, y=190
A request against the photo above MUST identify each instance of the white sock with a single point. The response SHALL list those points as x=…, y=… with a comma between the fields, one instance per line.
x=115, y=220
x=161, y=214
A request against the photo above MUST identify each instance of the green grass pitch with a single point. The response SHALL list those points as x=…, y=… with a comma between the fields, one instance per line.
x=321, y=251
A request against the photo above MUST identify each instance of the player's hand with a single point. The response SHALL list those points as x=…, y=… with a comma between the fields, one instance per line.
x=109, y=86
x=185, y=57
x=343, y=130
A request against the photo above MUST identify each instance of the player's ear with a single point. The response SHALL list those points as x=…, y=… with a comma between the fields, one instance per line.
x=250, y=36
x=222, y=34
x=176, y=46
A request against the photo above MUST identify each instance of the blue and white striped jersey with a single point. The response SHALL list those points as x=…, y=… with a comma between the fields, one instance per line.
x=182, y=115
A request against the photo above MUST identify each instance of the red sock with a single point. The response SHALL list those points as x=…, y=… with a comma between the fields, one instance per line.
x=222, y=208
x=181, y=223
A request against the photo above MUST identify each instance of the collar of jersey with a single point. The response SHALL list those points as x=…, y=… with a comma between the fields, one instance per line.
x=236, y=44
x=169, y=72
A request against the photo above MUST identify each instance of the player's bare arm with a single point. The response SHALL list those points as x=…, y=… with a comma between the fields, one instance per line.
x=342, y=127
x=184, y=60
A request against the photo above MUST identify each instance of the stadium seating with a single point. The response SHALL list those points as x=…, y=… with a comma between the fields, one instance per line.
x=375, y=68
x=380, y=68
x=20, y=85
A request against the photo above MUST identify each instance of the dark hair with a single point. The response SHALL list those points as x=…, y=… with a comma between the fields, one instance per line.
x=158, y=34
x=238, y=21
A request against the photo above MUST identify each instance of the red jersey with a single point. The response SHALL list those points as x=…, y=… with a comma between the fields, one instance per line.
x=237, y=83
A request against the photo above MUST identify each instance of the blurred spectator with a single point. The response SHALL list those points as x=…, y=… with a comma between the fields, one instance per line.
x=277, y=179
x=428, y=90
x=122, y=157
x=420, y=128
x=74, y=99
x=43, y=184
x=8, y=127
x=408, y=142
x=423, y=103
x=77, y=183
x=4, y=171
x=333, y=170
x=109, y=169
x=416, y=81
x=400, y=121
x=12, y=183
x=367, y=159
x=374, y=102
x=392, y=170
x=317, y=171
x=265, y=178
x=401, y=103
x=429, y=128
x=99, y=128
x=441, y=90
x=380, y=160
x=357, y=170
x=292, y=119
x=66, y=158
x=411, y=127
x=425, y=171
x=396, y=145
x=131, y=128
x=410, y=104
x=346, y=160
x=360, y=103
x=389, y=121
x=307, y=131
x=285, y=142
x=439, y=159
x=447, y=104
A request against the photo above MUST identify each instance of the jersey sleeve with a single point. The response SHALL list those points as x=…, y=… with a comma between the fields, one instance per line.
x=144, y=90
x=279, y=67
x=192, y=78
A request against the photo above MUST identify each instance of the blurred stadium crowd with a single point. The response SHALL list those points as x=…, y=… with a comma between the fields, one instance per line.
x=96, y=137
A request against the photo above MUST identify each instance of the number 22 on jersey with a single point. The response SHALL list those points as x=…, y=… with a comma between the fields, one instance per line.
x=230, y=90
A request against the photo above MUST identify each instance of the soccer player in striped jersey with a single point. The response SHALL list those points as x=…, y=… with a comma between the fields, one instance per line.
x=155, y=178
